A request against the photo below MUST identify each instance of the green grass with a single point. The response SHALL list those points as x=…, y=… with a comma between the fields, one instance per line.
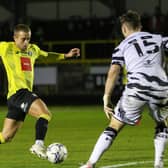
x=78, y=127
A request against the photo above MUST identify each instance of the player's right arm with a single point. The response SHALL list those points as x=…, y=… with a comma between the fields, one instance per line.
x=112, y=77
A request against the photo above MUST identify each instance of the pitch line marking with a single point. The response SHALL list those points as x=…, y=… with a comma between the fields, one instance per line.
x=129, y=164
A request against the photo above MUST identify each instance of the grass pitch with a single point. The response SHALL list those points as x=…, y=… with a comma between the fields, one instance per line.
x=78, y=127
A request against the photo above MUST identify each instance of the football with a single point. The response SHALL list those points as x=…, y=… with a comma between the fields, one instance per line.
x=56, y=153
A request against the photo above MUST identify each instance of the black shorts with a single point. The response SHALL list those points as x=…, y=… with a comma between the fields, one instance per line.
x=19, y=104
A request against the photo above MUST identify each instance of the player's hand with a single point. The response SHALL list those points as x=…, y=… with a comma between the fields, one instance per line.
x=74, y=52
x=108, y=106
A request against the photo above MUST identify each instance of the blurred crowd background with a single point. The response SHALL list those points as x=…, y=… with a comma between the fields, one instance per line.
x=79, y=19
x=91, y=25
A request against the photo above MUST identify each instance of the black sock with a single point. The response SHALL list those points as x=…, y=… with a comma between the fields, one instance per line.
x=41, y=128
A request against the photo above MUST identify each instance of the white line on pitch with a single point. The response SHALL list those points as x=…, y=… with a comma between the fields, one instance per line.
x=129, y=164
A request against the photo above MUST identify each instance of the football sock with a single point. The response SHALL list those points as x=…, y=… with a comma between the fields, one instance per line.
x=160, y=142
x=103, y=143
x=41, y=128
x=2, y=140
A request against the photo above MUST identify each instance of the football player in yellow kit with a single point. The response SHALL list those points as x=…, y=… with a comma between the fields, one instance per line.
x=18, y=58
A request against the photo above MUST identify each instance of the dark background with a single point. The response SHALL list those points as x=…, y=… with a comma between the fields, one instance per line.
x=91, y=25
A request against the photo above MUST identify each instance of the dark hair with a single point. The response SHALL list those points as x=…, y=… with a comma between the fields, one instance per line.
x=22, y=27
x=132, y=18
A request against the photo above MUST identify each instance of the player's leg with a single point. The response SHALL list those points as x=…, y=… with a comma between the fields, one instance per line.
x=9, y=130
x=161, y=133
x=160, y=143
x=13, y=121
x=39, y=110
x=104, y=142
x=127, y=111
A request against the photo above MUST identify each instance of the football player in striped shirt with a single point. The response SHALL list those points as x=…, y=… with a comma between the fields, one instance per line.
x=147, y=84
x=19, y=58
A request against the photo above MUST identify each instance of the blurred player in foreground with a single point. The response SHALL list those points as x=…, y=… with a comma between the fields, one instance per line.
x=141, y=53
x=19, y=58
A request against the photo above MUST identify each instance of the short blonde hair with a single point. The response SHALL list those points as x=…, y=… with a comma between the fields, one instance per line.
x=22, y=27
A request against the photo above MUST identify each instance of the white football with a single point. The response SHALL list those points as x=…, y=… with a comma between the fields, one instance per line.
x=56, y=152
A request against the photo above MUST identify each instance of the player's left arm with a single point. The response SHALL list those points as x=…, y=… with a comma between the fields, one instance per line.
x=165, y=43
x=74, y=52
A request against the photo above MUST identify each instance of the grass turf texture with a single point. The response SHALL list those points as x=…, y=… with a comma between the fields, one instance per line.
x=78, y=127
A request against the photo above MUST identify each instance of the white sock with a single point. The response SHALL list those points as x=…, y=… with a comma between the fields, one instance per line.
x=39, y=142
x=160, y=142
x=103, y=143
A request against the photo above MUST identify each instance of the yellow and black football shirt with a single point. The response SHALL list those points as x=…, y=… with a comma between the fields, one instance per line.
x=19, y=65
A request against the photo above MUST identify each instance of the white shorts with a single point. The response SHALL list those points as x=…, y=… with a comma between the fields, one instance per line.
x=129, y=107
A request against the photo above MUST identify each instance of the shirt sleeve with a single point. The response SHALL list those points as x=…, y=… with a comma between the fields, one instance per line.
x=58, y=56
x=3, y=46
x=165, y=43
x=117, y=57
x=43, y=53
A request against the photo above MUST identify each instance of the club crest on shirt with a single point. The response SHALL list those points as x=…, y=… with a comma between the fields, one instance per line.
x=29, y=53
x=25, y=53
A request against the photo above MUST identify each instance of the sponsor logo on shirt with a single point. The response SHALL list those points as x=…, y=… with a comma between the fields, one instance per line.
x=26, y=64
